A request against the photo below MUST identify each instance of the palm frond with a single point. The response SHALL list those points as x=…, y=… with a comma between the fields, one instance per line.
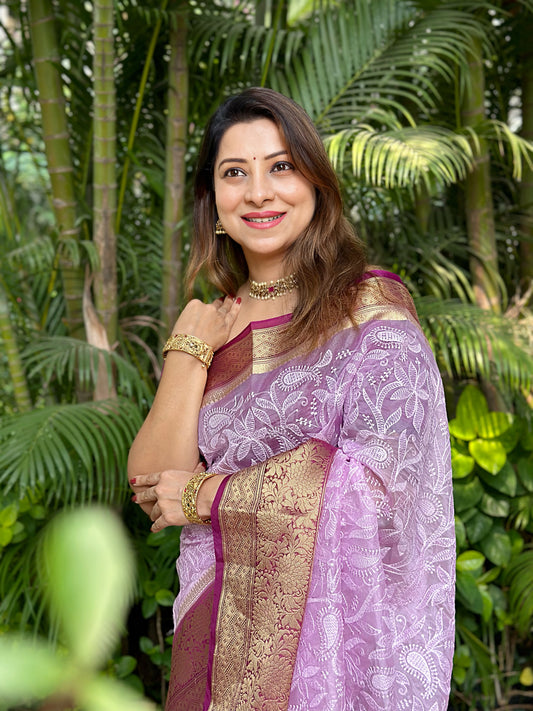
x=403, y=157
x=225, y=40
x=519, y=577
x=69, y=453
x=470, y=342
x=33, y=256
x=521, y=149
x=385, y=54
x=71, y=360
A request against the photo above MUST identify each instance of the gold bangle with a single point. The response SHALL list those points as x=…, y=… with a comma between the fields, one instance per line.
x=190, y=494
x=191, y=345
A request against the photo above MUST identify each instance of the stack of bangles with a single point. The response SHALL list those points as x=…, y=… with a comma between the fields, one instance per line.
x=190, y=496
x=191, y=345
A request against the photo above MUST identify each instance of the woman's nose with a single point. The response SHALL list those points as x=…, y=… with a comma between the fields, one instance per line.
x=259, y=189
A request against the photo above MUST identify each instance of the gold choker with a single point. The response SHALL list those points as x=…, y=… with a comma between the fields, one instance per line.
x=272, y=289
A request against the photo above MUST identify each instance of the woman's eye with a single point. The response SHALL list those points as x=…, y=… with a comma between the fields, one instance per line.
x=281, y=166
x=233, y=173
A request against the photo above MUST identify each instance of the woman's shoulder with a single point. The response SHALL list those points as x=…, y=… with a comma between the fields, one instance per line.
x=382, y=295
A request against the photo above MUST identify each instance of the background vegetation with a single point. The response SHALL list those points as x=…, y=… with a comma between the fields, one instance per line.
x=426, y=108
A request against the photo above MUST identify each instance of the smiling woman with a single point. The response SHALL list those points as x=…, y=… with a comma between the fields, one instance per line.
x=262, y=201
x=299, y=436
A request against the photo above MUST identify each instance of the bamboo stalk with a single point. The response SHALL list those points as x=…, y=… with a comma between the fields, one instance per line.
x=176, y=138
x=478, y=192
x=58, y=154
x=21, y=392
x=104, y=169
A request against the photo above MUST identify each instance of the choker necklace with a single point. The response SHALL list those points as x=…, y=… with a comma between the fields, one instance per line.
x=272, y=289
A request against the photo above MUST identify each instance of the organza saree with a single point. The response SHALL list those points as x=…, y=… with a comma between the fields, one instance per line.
x=326, y=580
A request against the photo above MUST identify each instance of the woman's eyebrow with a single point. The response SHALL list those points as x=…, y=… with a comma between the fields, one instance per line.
x=243, y=160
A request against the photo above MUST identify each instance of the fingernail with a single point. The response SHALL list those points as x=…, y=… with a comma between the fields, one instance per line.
x=134, y=498
x=231, y=296
x=239, y=300
x=132, y=481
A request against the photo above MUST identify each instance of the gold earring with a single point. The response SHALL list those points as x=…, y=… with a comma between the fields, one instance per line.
x=219, y=229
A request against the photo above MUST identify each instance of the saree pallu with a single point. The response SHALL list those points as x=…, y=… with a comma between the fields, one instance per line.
x=327, y=578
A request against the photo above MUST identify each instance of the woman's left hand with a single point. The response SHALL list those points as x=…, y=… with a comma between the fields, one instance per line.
x=164, y=490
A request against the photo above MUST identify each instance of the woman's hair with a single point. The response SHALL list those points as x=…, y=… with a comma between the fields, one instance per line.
x=327, y=258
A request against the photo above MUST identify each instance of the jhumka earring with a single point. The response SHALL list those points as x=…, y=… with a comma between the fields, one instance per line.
x=219, y=230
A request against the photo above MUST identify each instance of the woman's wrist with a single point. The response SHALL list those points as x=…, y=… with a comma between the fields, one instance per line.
x=206, y=495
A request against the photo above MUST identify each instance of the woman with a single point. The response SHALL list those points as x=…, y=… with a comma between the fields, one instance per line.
x=315, y=447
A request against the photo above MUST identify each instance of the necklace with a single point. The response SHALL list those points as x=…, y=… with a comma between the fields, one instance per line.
x=272, y=289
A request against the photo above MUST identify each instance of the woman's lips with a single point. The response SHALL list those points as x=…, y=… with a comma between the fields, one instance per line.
x=263, y=220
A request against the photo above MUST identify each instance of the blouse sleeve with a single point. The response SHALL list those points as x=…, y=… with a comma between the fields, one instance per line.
x=381, y=602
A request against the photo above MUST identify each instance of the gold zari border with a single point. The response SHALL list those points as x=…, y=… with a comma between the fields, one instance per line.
x=268, y=518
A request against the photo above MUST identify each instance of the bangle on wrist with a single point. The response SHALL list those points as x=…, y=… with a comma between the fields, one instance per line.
x=191, y=345
x=190, y=496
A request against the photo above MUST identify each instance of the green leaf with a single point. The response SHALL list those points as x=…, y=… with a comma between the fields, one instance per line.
x=525, y=472
x=460, y=533
x=478, y=527
x=462, y=465
x=470, y=561
x=467, y=495
x=8, y=516
x=149, y=607
x=89, y=565
x=6, y=536
x=504, y=481
x=30, y=671
x=462, y=430
x=462, y=656
x=146, y=645
x=495, y=507
x=512, y=436
x=468, y=592
x=165, y=598
x=125, y=666
x=458, y=675
x=494, y=424
x=488, y=605
x=471, y=408
x=489, y=454
x=497, y=546
x=517, y=542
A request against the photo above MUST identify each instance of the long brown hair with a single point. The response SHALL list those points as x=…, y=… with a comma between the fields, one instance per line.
x=327, y=258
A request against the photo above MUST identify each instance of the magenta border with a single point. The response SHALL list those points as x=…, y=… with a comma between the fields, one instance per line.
x=217, y=589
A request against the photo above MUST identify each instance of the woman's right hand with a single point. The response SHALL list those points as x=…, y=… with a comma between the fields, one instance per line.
x=209, y=322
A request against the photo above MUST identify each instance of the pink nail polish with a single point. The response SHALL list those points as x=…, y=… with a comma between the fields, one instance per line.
x=134, y=498
x=239, y=300
x=132, y=481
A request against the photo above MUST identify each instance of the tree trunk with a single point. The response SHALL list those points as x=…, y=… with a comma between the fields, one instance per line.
x=57, y=149
x=526, y=186
x=176, y=138
x=478, y=193
x=104, y=182
x=11, y=351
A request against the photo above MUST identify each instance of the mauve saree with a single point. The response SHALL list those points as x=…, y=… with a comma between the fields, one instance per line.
x=326, y=580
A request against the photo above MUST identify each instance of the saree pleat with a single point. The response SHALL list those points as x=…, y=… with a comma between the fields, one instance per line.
x=190, y=656
x=267, y=522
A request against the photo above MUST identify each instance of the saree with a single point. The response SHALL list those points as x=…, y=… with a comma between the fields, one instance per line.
x=326, y=580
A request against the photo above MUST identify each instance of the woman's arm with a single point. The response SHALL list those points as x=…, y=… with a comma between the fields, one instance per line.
x=168, y=438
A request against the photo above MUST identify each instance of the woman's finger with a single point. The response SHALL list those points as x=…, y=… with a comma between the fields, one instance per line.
x=150, y=479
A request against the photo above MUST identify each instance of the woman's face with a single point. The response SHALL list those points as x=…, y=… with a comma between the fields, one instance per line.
x=263, y=202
